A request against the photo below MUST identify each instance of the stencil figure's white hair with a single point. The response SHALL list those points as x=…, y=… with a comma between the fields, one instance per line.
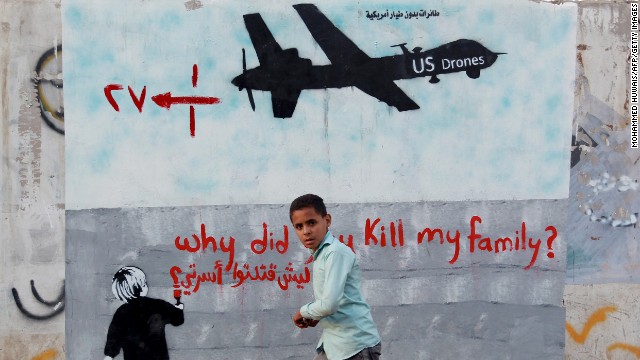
x=128, y=283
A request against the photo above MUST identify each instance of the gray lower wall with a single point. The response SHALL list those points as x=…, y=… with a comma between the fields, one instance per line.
x=483, y=306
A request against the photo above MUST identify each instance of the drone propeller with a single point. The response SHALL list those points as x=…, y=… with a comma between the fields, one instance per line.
x=249, y=92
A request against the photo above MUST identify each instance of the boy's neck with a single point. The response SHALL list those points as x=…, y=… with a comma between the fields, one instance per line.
x=313, y=251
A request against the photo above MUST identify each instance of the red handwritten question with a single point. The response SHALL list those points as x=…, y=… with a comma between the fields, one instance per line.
x=376, y=233
x=238, y=273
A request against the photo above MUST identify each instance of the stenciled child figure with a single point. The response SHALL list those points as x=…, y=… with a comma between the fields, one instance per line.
x=138, y=325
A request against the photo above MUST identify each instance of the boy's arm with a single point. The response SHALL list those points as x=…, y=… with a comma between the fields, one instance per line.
x=337, y=268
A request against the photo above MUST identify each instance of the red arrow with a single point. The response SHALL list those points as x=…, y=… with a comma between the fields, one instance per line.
x=166, y=100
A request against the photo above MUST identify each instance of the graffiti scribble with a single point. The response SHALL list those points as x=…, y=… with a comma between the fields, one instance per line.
x=626, y=347
x=598, y=316
x=48, y=81
x=47, y=355
x=57, y=304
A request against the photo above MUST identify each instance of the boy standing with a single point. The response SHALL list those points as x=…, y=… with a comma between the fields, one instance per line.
x=339, y=307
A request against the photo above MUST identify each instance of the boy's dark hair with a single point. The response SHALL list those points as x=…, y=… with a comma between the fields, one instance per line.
x=308, y=200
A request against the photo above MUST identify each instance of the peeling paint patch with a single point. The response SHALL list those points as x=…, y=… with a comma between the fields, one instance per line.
x=621, y=217
x=193, y=5
x=582, y=144
x=30, y=149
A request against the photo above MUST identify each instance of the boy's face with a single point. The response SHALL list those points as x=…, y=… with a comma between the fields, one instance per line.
x=310, y=226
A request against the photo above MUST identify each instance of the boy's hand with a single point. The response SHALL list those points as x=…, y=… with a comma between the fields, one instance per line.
x=298, y=320
x=301, y=322
x=311, y=322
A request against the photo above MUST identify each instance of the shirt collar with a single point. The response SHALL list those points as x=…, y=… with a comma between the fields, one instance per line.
x=326, y=241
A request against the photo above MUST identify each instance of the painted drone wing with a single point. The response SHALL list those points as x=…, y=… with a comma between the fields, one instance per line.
x=388, y=92
x=342, y=51
x=263, y=41
x=338, y=48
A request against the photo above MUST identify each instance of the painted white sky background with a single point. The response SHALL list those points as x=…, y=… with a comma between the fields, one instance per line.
x=505, y=135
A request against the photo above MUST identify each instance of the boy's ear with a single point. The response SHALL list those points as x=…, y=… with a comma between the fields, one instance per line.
x=328, y=219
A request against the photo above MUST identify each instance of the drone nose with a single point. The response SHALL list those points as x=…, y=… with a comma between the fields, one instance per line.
x=239, y=81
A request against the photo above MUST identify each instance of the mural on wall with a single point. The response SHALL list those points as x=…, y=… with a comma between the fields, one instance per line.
x=285, y=74
x=240, y=274
x=137, y=327
x=443, y=150
x=165, y=100
x=400, y=141
x=376, y=234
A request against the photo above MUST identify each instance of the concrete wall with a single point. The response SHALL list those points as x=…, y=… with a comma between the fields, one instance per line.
x=32, y=179
x=601, y=268
x=602, y=259
x=421, y=303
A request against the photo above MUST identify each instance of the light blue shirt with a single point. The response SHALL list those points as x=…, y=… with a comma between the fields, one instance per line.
x=344, y=315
